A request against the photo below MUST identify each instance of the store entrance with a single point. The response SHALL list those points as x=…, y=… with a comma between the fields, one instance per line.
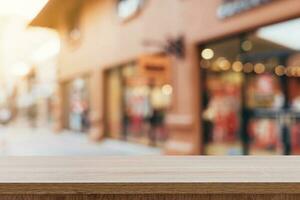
x=77, y=105
x=137, y=103
x=251, y=100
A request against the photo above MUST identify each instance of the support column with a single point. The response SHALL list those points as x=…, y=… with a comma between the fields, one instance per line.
x=183, y=120
x=96, y=105
x=58, y=109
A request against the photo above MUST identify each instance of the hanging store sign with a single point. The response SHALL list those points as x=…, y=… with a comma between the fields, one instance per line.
x=155, y=68
x=233, y=7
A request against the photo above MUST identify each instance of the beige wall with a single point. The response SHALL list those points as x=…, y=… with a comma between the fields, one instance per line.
x=107, y=42
x=208, y=26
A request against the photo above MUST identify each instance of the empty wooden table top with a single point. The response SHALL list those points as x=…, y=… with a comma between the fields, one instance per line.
x=149, y=175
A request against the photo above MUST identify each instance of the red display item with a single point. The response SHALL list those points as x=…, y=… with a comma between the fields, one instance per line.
x=264, y=134
x=295, y=138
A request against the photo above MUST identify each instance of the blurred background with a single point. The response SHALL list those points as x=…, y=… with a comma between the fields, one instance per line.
x=148, y=77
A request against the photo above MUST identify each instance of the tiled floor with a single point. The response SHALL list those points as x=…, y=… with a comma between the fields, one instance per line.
x=24, y=141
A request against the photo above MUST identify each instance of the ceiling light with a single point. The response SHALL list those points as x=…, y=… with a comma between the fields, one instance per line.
x=285, y=33
x=207, y=54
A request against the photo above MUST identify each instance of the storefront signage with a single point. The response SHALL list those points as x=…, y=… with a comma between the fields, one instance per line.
x=128, y=8
x=155, y=68
x=232, y=7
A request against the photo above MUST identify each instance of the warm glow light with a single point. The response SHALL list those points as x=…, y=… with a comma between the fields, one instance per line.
x=294, y=71
x=207, y=54
x=23, y=8
x=237, y=66
x=288, y=71
x=167, y=89
x=280, y=70
x=247, y=45
x=298, y=71
x=259, y=68
x=224, y=64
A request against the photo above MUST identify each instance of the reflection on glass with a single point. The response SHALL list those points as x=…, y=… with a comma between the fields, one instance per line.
x=251, y=105
x=137, y=105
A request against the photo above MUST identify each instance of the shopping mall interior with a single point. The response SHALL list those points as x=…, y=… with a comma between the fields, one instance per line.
x=165, y=77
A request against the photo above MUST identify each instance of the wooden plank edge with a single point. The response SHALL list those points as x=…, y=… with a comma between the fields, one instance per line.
x=149, y=188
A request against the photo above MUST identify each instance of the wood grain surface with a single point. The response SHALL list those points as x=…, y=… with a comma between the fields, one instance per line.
x=151, y=197
x=133, y=177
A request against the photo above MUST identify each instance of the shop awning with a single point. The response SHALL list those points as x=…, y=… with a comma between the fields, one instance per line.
x=52, y=13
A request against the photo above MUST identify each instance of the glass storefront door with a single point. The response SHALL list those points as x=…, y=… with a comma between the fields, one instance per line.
x=78, y=105
x=136, y=106
x=250, y=96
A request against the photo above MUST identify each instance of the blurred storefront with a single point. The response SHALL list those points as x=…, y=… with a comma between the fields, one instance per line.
x=250, y=76
x=77, y=104
x=123, y=94
x=28, y=69
x=33, y=100
x=251, y=100
x=228, y=87
x=138, y=96
x=6, y=106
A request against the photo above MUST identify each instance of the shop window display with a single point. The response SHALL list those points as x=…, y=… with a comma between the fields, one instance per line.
x=251, y=99
x=78, y=117
x=140, y=105
x=137, y=109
